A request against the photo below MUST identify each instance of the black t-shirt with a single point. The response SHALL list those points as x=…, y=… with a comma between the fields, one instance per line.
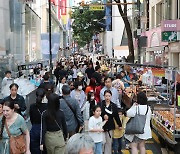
x=54, y=125
x=89, y=72
x=18, y=100
x=97, y=76
x=36, y=112
x=44, y=84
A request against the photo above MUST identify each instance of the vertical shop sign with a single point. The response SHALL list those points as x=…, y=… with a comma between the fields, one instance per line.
x=109, y=16
x=63, y=7
x=59, y=9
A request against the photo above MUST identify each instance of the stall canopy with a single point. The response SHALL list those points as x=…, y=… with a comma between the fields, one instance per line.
x=120, y=51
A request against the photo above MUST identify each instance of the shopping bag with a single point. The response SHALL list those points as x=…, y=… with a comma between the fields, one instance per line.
x=136, y=124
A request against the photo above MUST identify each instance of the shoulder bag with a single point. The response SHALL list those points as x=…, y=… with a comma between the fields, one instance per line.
x=136, y=124
x=74, y=112
x=17, y=143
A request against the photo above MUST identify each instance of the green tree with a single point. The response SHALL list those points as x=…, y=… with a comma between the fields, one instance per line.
x=86, y=23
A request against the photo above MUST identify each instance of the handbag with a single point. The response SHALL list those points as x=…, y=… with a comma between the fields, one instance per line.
x=17, y=143
x=136, y=124
x=78, y=130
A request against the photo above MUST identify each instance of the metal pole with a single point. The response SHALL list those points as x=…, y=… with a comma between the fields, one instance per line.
x=138, y=28
x=50, y=52
x=175, y=99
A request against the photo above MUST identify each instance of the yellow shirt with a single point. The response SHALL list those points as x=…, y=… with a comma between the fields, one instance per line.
x=117, y=132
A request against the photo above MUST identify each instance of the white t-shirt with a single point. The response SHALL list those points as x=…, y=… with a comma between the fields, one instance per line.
x=95, y=123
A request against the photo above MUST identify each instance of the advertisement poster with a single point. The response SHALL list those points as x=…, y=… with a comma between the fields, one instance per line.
x=55, y=40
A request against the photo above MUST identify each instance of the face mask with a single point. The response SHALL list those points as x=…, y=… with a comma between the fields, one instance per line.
x=80, y=88
x=92, y=98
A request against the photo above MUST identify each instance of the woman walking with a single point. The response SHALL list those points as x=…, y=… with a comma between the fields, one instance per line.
x=138, y=140
x=54, y=130
x=109, y=113
x=18, y=100
x=15, y=124
x=35, y=112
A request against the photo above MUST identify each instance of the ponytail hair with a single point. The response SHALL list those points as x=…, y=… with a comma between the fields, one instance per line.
x=40, y=93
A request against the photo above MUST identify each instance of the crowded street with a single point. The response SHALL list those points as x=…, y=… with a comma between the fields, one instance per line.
x=90, y=77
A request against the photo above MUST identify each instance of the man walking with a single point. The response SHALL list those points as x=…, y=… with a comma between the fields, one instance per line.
x=115, y=94
x=71, y=111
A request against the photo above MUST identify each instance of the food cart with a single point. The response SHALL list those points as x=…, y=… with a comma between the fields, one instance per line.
x=166, y=118
x=165, y=109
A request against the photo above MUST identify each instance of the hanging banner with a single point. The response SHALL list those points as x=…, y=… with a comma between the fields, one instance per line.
x=55, y=39
x=168, y=74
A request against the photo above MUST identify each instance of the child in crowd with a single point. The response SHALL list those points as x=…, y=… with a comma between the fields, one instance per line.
x=88, y=105
x=95, y=129
x=118, y=134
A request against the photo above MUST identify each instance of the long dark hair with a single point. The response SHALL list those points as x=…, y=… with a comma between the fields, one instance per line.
x=10, y=104
x=52, y=106
x=49, y=89
x=40, y=93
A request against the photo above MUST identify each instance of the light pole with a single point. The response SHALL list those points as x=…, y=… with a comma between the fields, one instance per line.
x=139, y=30
x=50, y=52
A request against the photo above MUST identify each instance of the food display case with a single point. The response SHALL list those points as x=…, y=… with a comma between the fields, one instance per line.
x=166, y=122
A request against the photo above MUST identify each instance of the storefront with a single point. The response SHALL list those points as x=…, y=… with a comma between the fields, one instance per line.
x=174, y=54
x=170, y=34
x=156, y=52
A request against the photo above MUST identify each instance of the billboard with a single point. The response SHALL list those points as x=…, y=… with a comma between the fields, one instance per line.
x=55, y=42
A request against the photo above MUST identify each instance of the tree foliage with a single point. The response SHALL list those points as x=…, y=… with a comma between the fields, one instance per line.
x=86, y=23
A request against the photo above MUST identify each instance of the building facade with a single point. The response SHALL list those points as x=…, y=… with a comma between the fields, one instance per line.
x=162, y=32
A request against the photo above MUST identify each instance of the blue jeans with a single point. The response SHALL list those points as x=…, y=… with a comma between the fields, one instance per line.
x=117, y=145
x=98, y=148
x=35, y=139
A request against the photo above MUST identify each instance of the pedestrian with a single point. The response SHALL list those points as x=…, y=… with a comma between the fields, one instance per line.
x=71, y=110
x=62, y=71
x=56, y=73
x=35, y=113
x=18, y=100
x=7, y=80
x=98, y=90
x=97, y=74
x=62, y=82
x=138, y=140
x=115, y=94
x=109, y=113
x=80, y=77
x=119, y=133
x=89, y=71
x=92, y=86
x=16, y=126
x=74, y=76
x=80, y=144
x=78, y=94
x=71, y=85
x=125, y=79
x=88, y=107
x=45, y=82
x=54, y=130
x=95, y=128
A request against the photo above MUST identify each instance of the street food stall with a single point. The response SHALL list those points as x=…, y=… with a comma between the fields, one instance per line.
x=165, y=107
